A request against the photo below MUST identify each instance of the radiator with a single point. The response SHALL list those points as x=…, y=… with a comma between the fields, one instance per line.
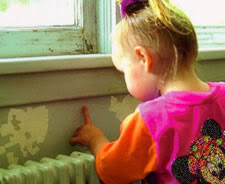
x=78, y=168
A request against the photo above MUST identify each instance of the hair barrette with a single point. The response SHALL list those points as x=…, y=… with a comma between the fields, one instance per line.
x=126, y=6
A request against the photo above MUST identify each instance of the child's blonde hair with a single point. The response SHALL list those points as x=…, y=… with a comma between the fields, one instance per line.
x=165, y=29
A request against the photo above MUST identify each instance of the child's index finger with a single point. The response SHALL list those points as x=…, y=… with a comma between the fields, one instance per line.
x=87, y=118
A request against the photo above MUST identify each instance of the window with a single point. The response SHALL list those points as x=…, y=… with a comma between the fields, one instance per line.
x=38, y=13
x=47, y=27
x=67, y=27
x=209, y=19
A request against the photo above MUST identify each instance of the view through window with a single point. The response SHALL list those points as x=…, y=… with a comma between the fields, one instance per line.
x=203, y=12
x=208, y=18
x=27, y=13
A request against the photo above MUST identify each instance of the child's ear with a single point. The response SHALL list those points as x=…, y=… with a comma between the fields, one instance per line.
x=144, y=56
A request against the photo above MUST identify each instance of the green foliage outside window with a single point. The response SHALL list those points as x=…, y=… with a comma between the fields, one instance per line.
x=5, y=4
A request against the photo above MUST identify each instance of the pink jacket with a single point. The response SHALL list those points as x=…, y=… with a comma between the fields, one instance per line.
x=176, y=138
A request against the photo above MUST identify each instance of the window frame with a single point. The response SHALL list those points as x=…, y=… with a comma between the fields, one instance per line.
x=92, y=36
x=79, y=38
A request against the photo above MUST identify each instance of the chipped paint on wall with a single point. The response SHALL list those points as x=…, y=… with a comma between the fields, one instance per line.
x=26, y=128
x=12, y=159
x=121, y=107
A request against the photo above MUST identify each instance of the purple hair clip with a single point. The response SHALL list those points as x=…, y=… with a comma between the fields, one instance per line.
x=124, y=4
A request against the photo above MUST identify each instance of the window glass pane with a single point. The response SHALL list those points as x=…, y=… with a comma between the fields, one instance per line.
x=203, y=12
x=25, y=13
x=209, y=19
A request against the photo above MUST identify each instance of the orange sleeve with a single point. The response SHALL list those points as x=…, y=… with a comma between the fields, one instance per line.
x=130, y=158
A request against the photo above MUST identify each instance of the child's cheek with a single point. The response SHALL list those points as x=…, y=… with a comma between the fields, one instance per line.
x=131, y=79
x=134, y=75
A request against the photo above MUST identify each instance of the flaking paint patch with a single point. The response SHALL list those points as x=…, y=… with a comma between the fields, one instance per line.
x=26, y=128
x=122, y=107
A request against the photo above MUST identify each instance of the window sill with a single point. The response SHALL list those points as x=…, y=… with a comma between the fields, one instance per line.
x=54, y=63
x=211, y=54
x=77, y=62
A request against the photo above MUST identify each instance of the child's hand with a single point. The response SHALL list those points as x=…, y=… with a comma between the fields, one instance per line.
x=88, y=134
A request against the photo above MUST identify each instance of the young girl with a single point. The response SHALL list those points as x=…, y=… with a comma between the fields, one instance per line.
x=176, y=135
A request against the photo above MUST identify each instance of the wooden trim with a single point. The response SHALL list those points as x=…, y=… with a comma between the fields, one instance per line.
x=54, y=63
x=104, y=25
x=211, y=70
x=89, y=26
x=211, y=54
x=63, y=78
x=41, y=42
x=31, y=88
